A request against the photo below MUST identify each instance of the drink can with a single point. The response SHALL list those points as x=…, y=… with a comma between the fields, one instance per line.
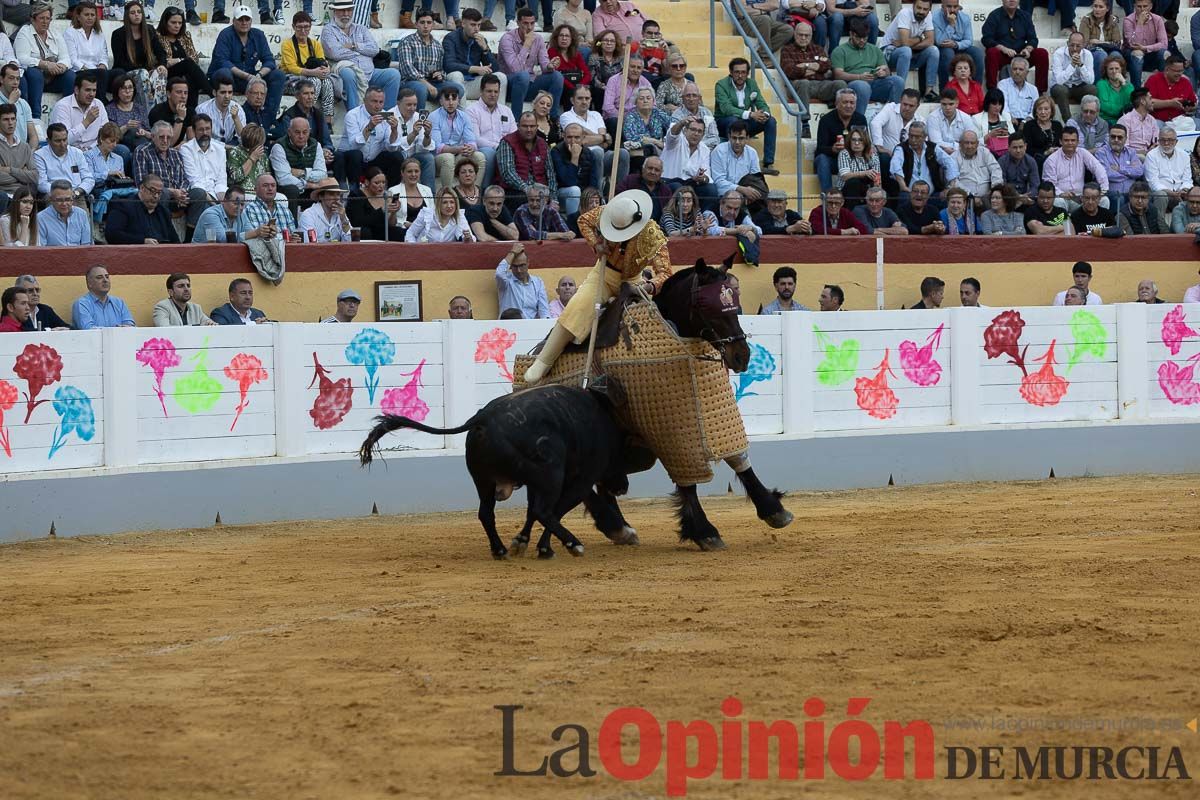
x=841, y=140
x=312, y=235
x=356, y=234
x=878, y=180
x=287, y=235
x=231, y=237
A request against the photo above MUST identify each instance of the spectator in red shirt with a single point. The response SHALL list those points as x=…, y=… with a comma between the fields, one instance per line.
x=833, y=218
x=15, y=302
x=1171, y=93
x=564, y=46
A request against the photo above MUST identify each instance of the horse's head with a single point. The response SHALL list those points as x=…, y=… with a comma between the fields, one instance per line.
x=701, y=304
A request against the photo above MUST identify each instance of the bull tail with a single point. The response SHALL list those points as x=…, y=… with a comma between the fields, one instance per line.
x=386, y=423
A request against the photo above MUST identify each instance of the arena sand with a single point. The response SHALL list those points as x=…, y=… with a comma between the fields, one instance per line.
x=363, y=658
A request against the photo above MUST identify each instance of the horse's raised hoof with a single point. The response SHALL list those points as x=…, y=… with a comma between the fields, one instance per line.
x=518, y=546
x=575, y=549
x=626, y=535
x=780, y=519
x=711, y=543
x=545, y=554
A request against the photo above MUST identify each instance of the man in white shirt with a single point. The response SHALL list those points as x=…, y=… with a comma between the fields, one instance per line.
x=204, y=160
x=493, y=122
x=947, y=125
x=889, y=126
x=1081, y=273
x=227, y=117
x=416, y=135
x=908, y=41
x=1071, y=74
x=59, y=161
x=686, y=160
x=595, y=136
x=325, y=221
x=371, y=138
x=693, y=106
x=1019, y=94
x=732, y=161
x=82, y=113
x=1168, y=171
x=978, y=170
x=298, y=161
x=10, y=92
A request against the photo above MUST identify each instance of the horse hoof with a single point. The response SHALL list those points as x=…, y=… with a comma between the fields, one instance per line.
x=626, y=535
x=518, y=546
x=711, y=543
x=500, y=555
x=545, y=554
x=575, y=550
x=780, y=519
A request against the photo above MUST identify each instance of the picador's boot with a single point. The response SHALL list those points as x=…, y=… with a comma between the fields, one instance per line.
x=551, y=350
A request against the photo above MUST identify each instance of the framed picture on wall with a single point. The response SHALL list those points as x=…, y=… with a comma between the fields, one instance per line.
x=398, y=301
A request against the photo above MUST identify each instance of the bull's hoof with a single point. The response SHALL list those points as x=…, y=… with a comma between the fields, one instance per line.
x=626, y=535
x=500, y=555
x=780, y=519
x=575, y=550
x=711, y=543
x=545, y=554
x=518, y=546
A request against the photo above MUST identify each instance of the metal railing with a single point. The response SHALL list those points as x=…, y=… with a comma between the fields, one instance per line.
x=788, y=97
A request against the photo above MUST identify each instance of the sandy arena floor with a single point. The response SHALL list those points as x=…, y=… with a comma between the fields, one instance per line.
x=362, y=659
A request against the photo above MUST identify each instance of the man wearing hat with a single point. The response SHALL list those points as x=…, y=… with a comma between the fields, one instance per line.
x=326, y=221
x=351, y=49
x=779, y=220
x=241, y=53
x=627, y=242
x=347, y=306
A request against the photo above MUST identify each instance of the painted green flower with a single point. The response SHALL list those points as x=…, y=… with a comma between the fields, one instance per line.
x=1091, y=338
x=841, y=361
x=198, y=391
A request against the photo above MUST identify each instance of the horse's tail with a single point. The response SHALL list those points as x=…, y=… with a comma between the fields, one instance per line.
x=386, y=423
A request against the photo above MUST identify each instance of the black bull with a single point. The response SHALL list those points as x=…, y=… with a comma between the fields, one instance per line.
x=559, y=442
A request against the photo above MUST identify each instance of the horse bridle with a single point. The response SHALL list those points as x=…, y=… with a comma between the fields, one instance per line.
x=717, y=342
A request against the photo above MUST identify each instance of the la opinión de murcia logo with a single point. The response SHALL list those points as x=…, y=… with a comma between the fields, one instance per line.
x=853, y=750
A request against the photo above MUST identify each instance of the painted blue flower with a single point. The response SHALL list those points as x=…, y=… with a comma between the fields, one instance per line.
x=372, y=348
x=761, y=368
x=74, y=409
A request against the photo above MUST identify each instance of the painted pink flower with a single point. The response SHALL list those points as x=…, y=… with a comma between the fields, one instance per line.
x=918, y=364
x=1175, y=329
x=8, y=399
x=1177, y=384
x=245, y=370
x=334, y=398
x=493, y=346
x=405, y=401
x=1003, y=336
x=873, y=394
x=159, y=355
x=1044, y=387
x=39, y=365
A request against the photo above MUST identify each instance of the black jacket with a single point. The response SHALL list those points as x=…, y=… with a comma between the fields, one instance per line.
x=128, y=222
x=47, y=319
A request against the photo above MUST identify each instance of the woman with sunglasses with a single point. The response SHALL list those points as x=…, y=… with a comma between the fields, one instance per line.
x=182, y=58
x=669, y=96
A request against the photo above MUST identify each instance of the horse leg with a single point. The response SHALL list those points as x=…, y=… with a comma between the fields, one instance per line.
x=609, y=519
x=693, y=524
x=487, y=516
x=766, y=501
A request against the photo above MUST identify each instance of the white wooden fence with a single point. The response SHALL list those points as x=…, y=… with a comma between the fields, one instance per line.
x=124, y=397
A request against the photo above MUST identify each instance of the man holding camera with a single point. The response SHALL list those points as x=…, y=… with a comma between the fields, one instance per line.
x=372, y=139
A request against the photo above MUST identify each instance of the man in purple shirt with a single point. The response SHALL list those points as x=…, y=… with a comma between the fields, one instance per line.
x=524, y=59
x=1122, y=165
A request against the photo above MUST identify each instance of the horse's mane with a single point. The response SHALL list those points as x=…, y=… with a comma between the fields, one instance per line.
x=707, y=275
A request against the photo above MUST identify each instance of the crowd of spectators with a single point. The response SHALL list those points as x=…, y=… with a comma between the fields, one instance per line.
x=151, y=147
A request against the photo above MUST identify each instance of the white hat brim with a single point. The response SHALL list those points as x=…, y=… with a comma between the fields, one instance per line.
x=644, y=204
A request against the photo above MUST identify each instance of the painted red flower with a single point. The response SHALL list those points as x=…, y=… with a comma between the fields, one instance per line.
x=246, y=370
x=1003, y=335
x=1044, y=387
x=493, y=346
x=8, y=399
x=405, y=401
x=873, y=394
x=334, y=398
x=39, y=365
x=1177, y=384
x=918, y=364
x=1175, y=329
